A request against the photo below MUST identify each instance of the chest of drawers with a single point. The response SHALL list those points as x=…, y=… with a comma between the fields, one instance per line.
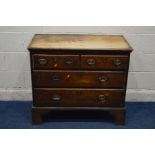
x=79, y=72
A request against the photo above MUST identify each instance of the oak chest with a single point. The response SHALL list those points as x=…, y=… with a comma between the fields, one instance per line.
x=79, y=72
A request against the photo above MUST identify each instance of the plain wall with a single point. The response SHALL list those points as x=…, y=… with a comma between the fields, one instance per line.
x=15, y=82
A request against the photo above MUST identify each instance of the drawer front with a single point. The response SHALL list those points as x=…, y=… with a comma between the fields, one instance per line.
x=42, y=61
x=104, y=62
x=77, y=79
x=78, y=98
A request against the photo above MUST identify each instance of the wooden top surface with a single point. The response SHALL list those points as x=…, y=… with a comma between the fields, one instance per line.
x=79, y=42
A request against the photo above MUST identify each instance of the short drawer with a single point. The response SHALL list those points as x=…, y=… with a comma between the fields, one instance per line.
x=114, y=62
x=87, y=79
x=78, y=97
x=42, y=61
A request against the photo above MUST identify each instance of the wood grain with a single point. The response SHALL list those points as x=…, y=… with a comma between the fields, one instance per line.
x=80, y=42
x=79, y=72
x=56, y=61
x=105, y=62
x=78, y=97
x=71, y=79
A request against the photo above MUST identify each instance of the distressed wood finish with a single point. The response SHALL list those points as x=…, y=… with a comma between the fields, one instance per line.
x=80, y=42
x=79, y=72
x=83, y=79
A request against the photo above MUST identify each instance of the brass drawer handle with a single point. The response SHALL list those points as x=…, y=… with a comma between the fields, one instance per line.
x=103, y=79
x=117, y=62
x=91, y=61
x=42, y=61
x=102, y=97
x=56, y=97
x=68, y=61
x=56, y=78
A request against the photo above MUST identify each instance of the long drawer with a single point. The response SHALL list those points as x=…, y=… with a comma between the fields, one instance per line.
x=87, y=79
x=78, y=97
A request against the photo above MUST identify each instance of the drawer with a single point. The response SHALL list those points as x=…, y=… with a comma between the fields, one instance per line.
x=104, y=62
x=42, y=61
x=100, y=79
x=78, y=97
